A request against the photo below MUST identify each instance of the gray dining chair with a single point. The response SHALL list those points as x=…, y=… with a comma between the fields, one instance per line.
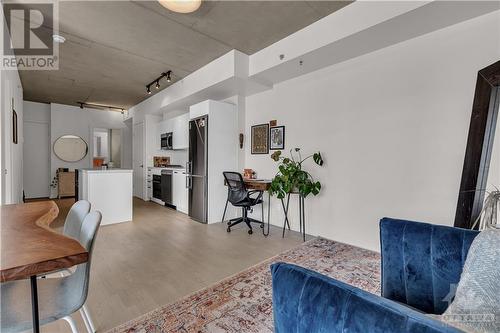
x=58, y=297
x=72, y=227
x=74, y=219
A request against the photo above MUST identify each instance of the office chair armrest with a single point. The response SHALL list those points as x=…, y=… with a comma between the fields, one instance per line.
x=257, y=198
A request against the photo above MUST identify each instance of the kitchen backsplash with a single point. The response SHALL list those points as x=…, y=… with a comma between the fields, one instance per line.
x=177, y=157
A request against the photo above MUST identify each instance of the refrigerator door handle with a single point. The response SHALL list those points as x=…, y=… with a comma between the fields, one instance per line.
x=189, y=182
x=189, y=167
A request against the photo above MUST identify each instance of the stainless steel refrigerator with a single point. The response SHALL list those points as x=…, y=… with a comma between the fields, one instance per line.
x=197, y=169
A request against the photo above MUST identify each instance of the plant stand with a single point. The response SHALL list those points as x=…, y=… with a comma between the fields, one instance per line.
x=302, y=215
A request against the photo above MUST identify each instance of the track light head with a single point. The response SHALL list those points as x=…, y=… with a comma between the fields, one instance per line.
x=156, y=82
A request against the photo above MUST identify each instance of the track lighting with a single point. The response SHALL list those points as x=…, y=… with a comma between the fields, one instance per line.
x=156, y=82
x=101, y=107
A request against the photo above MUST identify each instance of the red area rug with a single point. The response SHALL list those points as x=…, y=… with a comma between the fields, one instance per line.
x=243, y=302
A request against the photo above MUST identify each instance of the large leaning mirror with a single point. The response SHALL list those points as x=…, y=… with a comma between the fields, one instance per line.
x=70, y=148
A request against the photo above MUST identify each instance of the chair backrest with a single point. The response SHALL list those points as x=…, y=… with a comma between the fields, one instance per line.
x=234, y=180
x=237, y=188
x=422, y=262
x=79, y=280
x=74, y=220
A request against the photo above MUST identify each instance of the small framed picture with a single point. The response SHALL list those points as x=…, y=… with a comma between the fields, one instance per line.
x=260, y=139
x=277, y=138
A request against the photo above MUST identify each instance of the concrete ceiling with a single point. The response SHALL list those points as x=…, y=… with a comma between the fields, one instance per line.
x=114, y=48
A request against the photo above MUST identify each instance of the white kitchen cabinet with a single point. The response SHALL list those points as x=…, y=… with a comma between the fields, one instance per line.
x=181, y=131
x=179, y=126
x=179, y=191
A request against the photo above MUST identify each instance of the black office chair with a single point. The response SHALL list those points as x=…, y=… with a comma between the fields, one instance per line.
x=239, y=196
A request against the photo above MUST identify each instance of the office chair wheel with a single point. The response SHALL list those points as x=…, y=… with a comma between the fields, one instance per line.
x=228, y=229
x=262, y=226
x=250, y=231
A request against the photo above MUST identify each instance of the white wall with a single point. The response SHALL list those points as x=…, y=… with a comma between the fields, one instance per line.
x=67, y=119
x=392, y=126
x=116, y=146
x=12, y=154
x=11, y=93
x=37, y=147
x=126, y=153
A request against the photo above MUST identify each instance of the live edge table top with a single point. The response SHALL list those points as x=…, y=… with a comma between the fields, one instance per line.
x=29, y=246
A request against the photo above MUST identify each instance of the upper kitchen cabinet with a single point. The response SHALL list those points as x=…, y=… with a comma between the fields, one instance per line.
x=179, y=127
x=181, y=131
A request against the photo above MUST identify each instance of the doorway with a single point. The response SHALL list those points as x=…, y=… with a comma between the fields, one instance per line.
x=36, y=161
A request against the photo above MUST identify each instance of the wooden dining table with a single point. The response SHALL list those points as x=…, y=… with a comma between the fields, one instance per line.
x=29, y=247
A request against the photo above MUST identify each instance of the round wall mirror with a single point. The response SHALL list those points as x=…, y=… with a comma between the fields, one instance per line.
x=70, y=148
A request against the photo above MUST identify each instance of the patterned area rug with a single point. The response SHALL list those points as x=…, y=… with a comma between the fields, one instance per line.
x=243, y=302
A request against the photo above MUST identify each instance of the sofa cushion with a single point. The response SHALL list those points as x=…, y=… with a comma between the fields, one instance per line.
x=306, y=301
x=477, y=300
x=421, y=262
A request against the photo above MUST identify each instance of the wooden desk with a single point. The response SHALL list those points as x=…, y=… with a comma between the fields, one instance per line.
x=29, y=247
x=257, y=184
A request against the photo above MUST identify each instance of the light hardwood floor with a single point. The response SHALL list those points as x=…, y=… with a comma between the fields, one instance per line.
x=161, y=256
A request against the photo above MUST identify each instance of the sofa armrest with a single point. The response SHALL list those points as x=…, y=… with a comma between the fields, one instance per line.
x=422, y=263
x=306, y=301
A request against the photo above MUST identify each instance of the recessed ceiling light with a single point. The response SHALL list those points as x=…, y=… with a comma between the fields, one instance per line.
x=181, y=6
x=58, y=39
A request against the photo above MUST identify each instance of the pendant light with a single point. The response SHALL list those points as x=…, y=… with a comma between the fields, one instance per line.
x=181, y=6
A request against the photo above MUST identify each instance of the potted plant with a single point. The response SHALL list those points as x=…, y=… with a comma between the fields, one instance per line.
x=291, y=177
x=488, y=218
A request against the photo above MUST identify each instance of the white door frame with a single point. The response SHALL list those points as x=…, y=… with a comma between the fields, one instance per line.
x=139, y=192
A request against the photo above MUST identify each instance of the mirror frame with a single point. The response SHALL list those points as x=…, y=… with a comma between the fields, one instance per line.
x=59, y=157
x=479, y=146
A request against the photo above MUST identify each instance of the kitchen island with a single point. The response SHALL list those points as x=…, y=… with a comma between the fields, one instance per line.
x=108, y=191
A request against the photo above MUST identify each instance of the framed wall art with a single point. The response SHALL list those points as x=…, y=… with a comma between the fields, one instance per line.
x=277, y=138
x=260, y=139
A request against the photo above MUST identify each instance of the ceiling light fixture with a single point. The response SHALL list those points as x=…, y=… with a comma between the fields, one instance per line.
x=156, y=82
x=181, y=6
x=58, y=39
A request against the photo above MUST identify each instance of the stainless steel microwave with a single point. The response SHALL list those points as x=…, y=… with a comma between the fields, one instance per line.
x=166, y=141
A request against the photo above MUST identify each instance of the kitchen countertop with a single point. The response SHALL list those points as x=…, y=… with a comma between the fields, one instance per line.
x=113, y=170
x=169, y=168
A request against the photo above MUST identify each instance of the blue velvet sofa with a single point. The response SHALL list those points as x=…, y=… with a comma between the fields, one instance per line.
x=420, y=262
